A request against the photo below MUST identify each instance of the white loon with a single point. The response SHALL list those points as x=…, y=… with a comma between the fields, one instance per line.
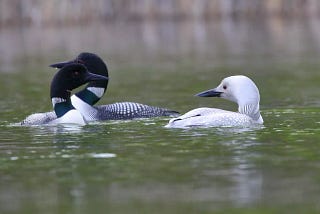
x=65, y=80
x=239, y=89
x=86, y=98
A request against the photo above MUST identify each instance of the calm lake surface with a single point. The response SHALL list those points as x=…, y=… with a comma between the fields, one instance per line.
x=141, y=167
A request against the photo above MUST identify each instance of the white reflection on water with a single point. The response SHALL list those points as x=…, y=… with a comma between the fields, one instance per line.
x=102, y=155
x=220, y=131
x=246, y=179
x=65, y=156
x=66, y=128
x=41, y=130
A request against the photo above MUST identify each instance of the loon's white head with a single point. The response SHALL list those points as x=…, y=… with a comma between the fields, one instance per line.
x=65, y=80
x=241, y=90
x=96, y=89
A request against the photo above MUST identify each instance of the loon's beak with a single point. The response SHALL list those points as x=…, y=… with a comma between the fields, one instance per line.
x=61, y=64
x=210, y=93
x=94, y=77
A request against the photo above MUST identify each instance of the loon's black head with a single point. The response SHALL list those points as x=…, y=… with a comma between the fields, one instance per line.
x=71, y=76
x=93, y=63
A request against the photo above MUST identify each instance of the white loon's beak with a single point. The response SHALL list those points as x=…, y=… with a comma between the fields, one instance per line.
x=210, y=93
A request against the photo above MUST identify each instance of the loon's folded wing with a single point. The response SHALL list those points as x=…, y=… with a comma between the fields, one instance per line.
x=130, y=110
x=199, y=112
x=195, y=117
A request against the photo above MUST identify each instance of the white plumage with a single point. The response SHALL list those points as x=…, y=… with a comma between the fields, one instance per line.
x=239, y=89
x=71, y=117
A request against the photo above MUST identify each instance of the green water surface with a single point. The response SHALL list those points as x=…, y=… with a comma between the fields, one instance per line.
x=141, y=167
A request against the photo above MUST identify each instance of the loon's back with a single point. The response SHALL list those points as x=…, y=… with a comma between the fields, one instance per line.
x=130, y=110
x=119, y=111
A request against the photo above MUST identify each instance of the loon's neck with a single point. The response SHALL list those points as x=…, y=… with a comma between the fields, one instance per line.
x=91, y=95
x=252, y=110
x=61, y=105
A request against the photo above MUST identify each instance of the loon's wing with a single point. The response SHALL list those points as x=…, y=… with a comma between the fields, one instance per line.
x=195, y=117
x=39, y=118
x=210, y=117
x=130, y=110
x=199, y=112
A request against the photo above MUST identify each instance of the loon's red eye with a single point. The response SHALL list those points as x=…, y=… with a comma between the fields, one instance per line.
x=80, y=61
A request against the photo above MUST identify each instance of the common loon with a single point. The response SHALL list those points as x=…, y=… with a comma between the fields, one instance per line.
x=92, y=93
x=64, y=81
x=239, y=89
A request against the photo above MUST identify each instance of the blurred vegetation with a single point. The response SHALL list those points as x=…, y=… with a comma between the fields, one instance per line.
x=153, y=32
x=57, y=12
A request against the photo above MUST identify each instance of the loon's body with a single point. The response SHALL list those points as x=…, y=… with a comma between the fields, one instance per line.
x=239, y=89
x=85, y=99
x=64, y=81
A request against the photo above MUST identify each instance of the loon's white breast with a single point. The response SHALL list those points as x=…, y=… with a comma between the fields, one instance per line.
x=71, y=117
x=87, y=111
x=239, y=89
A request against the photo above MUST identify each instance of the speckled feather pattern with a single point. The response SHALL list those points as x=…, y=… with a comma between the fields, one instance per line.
x=130, y=110
x=115, y=111
x=39, y=118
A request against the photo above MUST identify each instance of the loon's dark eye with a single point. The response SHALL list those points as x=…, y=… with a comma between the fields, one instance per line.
x=224, y=87
x=76, y=73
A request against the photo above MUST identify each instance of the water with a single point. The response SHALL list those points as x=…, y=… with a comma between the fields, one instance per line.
x=141, y=167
